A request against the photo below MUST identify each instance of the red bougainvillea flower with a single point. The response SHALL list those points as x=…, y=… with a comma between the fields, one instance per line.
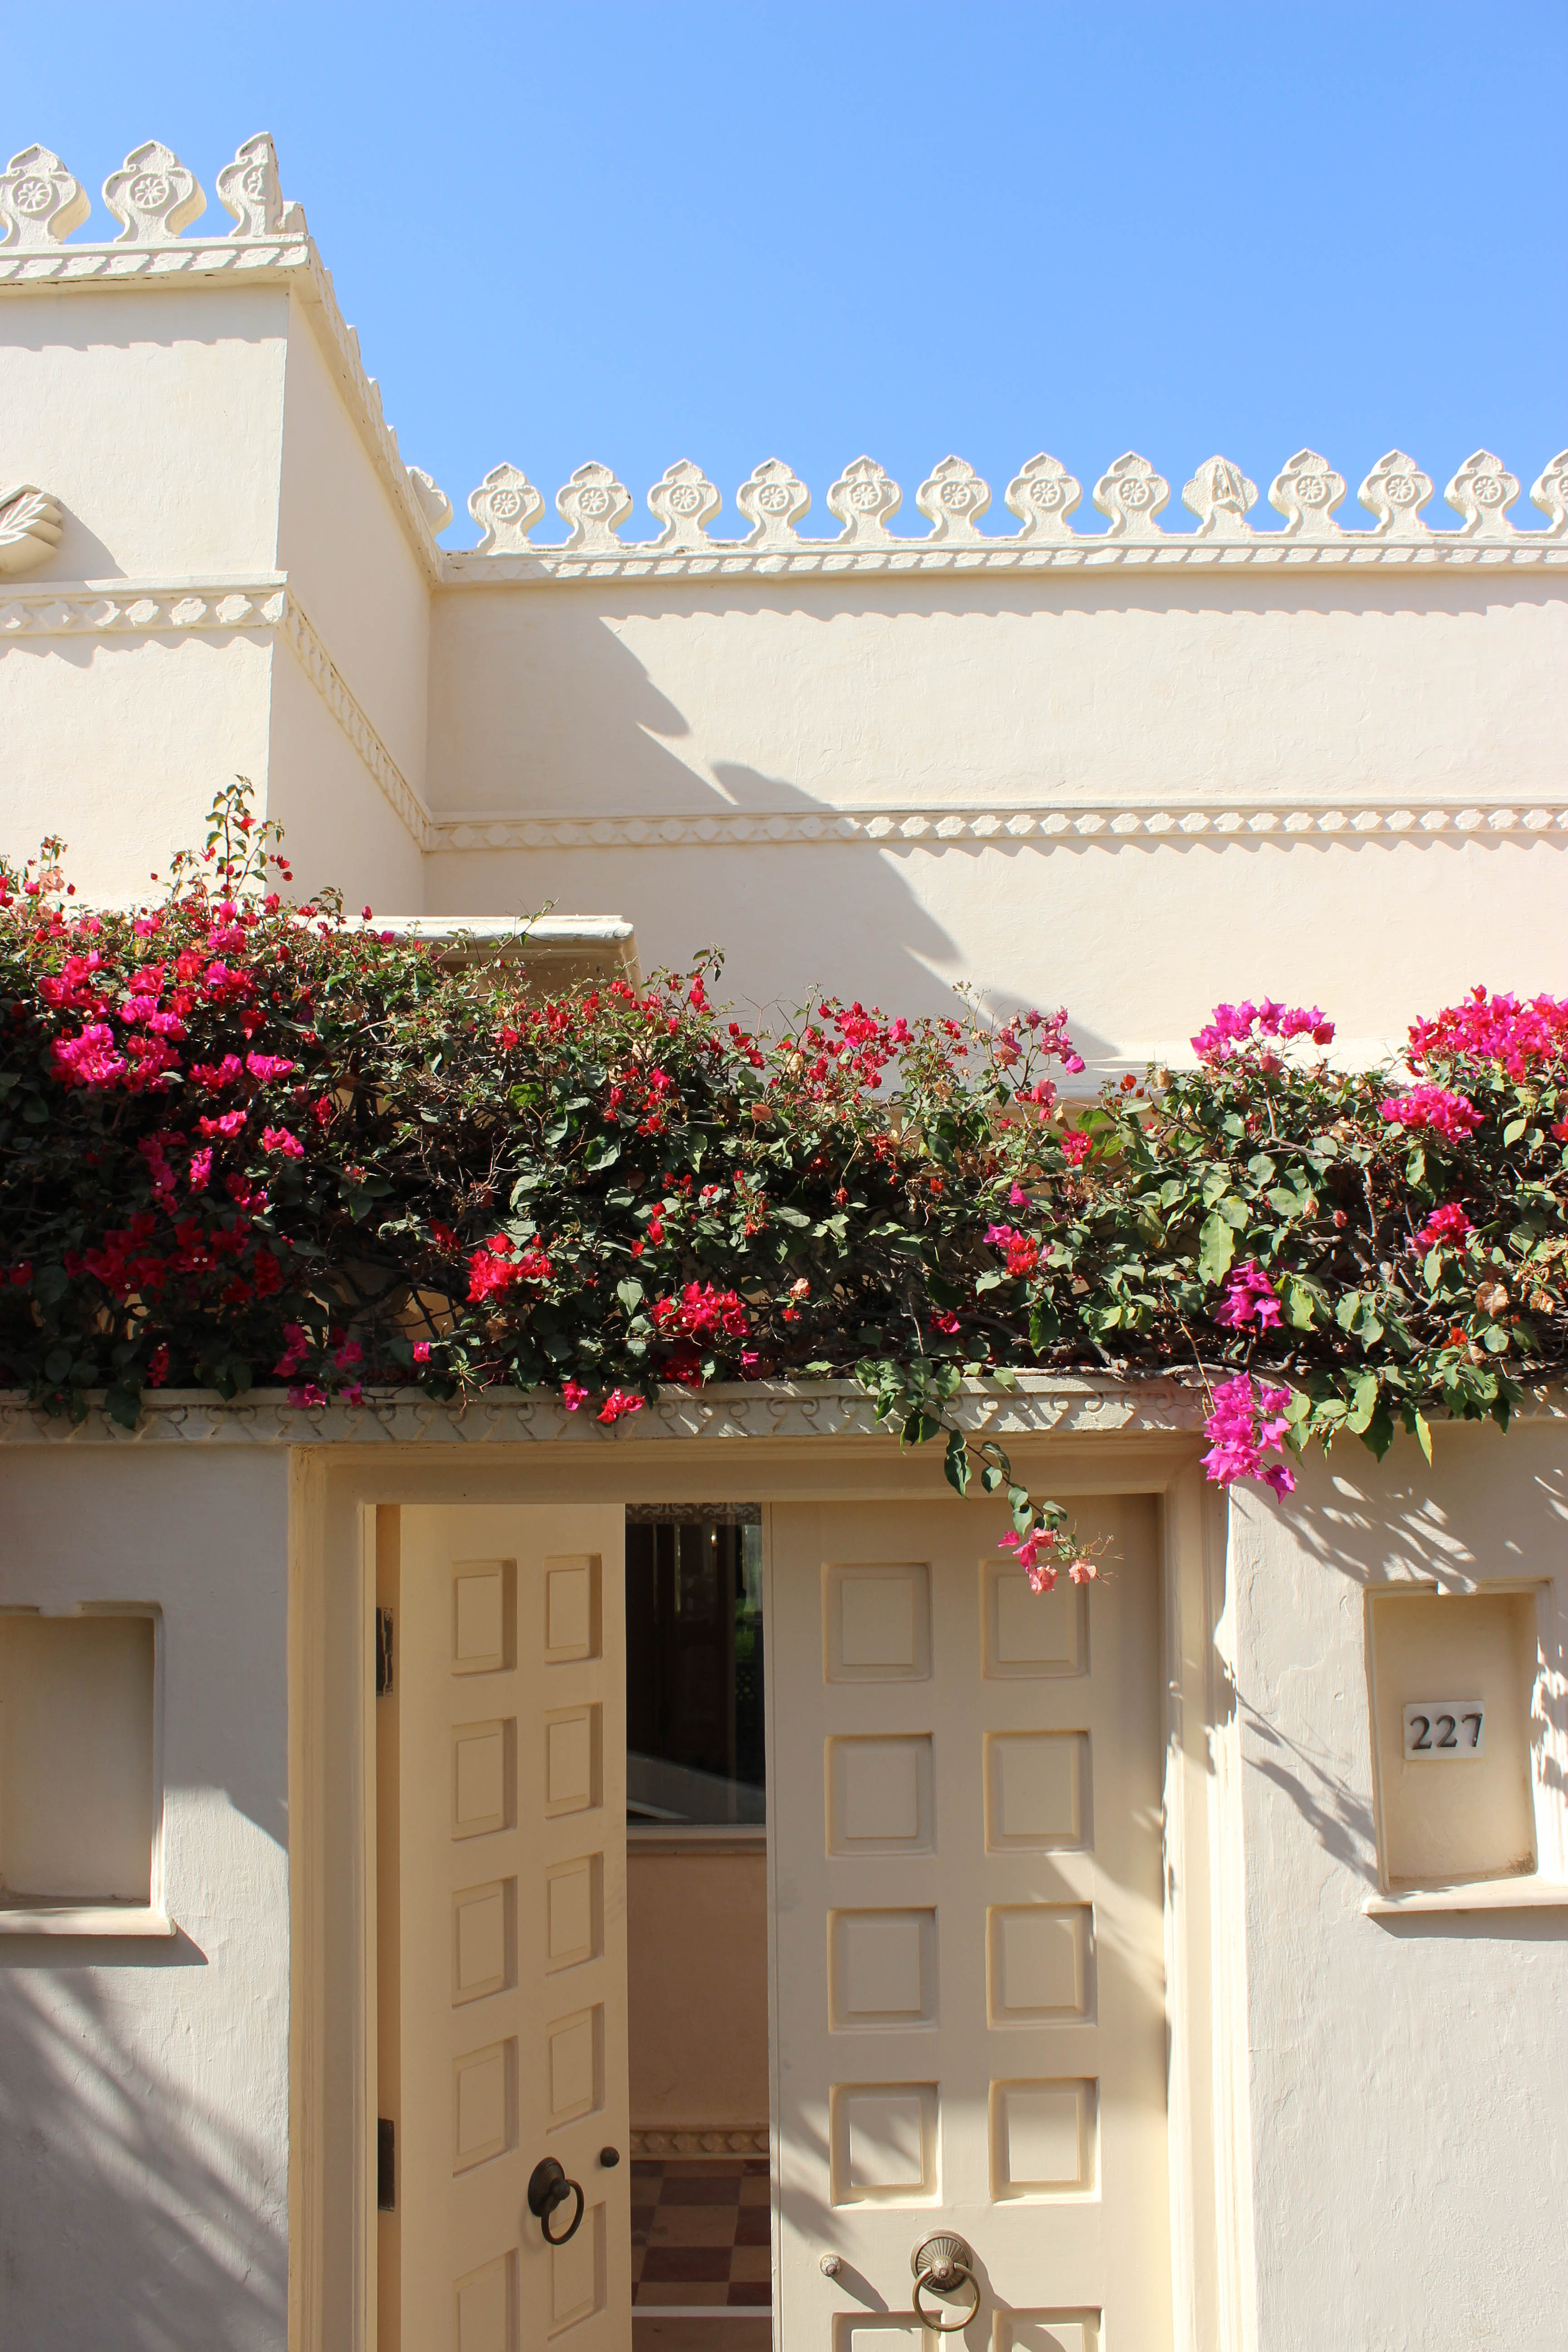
x=279, y=1138
x=701, y=1312
x=618, y=1404
x=498, y=1264
x=1446, y=1226
x=573, y=1394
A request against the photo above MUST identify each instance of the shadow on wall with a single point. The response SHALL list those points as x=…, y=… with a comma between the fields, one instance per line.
x=131, y=2214
x=541, y=708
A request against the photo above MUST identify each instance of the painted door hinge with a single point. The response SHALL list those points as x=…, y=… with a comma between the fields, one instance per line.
x=385, y=2167
x=382, y=1656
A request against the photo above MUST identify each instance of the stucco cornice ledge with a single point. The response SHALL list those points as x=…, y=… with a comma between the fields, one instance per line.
x=1039, y=1406
x=1534, y=551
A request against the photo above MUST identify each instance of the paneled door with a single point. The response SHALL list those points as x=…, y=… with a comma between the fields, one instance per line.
x=506, y=2044
x=964, y=1810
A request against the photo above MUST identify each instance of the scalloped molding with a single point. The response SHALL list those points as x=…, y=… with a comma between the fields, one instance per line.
x=1108, y=822
x=1042, y=1405
x=1535, y=550
x=1039, y=1406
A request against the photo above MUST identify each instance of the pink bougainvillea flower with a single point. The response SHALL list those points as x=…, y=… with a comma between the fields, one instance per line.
x=268, y=1066
x=201, y=1168
x=421, y=1351
x=618, y=1404
x=948, y=1323
x=1238, y=1031
x=1250, y=1296
x=307, y=1394
x=279, y=1138
x=89, y=1060
x=229, y=1124
x=1447, y=1226
x=1439, y=1108
x=572, y=1395
x=1076, y=1147
x=1494, y=1029
x=1246, y=1422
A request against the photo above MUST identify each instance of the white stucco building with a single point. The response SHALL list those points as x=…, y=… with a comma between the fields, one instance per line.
x=1119, y=1936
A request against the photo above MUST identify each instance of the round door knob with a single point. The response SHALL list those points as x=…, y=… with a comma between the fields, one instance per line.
x=830, y=2265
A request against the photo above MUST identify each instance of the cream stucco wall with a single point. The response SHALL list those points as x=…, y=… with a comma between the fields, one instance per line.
x=1409, y=2075
x=145, y=2083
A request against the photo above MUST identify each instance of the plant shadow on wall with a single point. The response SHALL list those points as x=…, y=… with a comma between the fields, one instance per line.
x=653, y=711
x=166, y=2224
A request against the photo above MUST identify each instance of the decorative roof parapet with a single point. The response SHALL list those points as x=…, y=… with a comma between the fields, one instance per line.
x=1042, y=495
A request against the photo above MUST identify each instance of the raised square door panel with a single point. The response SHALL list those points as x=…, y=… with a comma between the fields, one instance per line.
x=876, y=1623
x=1025, y=1635
x=573, y=1911
x=1036, y=1791
x=572, y=1590
x=485, y=2314
x=881, y=1795
x=1043, y=2139
x=577, y=2274
x=881, y=1969
x=575, y=2058
x=1039, y=1963
x=484, y=2104
x=484, y=1616
x=484, y=1939
x=1046, y=2331
x=484, y=1778
x=574, y=1760
x=884, y=2143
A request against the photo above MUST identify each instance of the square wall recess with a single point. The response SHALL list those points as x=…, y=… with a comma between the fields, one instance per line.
x=78, y=1803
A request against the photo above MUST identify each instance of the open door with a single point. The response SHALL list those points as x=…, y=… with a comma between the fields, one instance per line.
x=501, y=1906
x=964, y=1795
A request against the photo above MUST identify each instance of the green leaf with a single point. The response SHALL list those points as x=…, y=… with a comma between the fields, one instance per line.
x=602, y=1152
x=1216, y=1248
x=630, y=1293
x=1514, y=1129
x=956, y=1463
x=1216, y=1184
x=1365, y=1395
x=1423, y=1435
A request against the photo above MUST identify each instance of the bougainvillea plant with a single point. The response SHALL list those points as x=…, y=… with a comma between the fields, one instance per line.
x=247, y=1142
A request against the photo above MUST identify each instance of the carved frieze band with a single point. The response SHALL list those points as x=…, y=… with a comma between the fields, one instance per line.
x=1040, y=1405
x=701, y=2139
x=1105, y=823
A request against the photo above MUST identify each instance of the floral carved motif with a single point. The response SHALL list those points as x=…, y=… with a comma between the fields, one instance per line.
x=1042, y=494
x=592, y=504
x=1306, y=491
x=773, y=501
x=863, y=498
x=29, y=528
x=683, y=500
x=1482, y=493
x=1130, y=493
x=1549, y=491
x=505, y=506
x=153, y=194
x=1219, y=494
x=250, y=190
x=40, y=202
x=954, y=498
x=1394, y=493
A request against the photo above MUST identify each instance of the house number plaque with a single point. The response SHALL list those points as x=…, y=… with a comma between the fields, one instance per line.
x=1444, y=1730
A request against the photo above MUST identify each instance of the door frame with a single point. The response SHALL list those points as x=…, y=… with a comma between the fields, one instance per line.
x=335, y=1489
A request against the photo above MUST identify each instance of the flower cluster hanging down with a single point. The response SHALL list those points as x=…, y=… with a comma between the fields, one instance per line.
x=245, y=1141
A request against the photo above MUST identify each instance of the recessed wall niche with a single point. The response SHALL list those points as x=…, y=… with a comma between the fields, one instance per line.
x=1453, y=1676
x=78, y=1795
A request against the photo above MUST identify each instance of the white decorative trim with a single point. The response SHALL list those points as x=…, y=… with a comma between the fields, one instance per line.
x=153, y=195
x=29, y=528
x=701, y=2139
x=70, y=608
x=1109, y=823
x=1041, y=1405
x=1531, y=551
x=376, y=759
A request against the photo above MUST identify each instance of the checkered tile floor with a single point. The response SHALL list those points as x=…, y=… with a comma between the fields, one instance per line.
x=700, y=2232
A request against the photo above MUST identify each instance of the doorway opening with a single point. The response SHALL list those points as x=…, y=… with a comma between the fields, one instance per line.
x=697, y=1928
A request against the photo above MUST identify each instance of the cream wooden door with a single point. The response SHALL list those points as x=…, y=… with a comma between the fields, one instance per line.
x=964, y=1810
x=509, y=2027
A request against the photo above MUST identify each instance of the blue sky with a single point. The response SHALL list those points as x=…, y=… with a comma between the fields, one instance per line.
x=643, y=232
